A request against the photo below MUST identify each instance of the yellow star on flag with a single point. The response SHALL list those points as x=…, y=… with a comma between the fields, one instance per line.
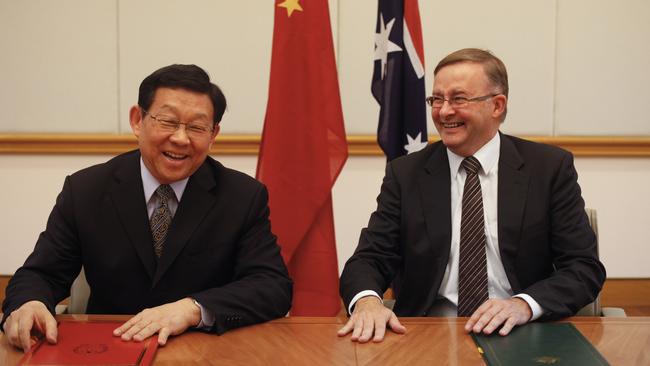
x=290, y=5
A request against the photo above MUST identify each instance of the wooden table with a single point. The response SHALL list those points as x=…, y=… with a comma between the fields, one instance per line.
x=313, y=341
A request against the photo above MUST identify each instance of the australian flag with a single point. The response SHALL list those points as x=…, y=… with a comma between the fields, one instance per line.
x=398, y=78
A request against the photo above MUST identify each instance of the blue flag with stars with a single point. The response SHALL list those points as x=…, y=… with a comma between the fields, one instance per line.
x=398, y=78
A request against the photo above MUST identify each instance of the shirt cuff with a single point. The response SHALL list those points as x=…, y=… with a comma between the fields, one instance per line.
x=361, y=294
x=207, y=318
x=534, y=306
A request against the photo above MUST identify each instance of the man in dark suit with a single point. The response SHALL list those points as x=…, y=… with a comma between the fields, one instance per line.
x=164, y=232
x=536, y=256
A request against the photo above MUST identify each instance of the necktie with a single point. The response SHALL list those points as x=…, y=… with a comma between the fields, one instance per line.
x=472, y=272
x=161, y=218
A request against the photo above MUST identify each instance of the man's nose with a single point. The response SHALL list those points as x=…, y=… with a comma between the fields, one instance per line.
x=446, y=108
x=180, y=135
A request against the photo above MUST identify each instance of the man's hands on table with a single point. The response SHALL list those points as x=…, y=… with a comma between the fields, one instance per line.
x=369, y=320
x=495, y=313
x=32, y=320
x=168, y=319
x=370, y=317
x=25, y=325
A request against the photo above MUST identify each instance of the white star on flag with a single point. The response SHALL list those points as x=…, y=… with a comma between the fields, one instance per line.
x=383, y=45
x=414, y=144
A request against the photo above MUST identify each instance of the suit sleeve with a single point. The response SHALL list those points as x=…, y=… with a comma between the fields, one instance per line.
x=377, y=258
x=55, y=262
x=578, y=275
x=261, y=289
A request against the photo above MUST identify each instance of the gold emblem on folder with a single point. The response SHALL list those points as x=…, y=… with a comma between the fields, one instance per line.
x=546, y=360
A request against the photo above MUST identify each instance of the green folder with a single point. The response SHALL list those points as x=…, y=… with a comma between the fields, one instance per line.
x=539, y=344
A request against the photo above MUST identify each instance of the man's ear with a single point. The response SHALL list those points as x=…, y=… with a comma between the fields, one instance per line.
x=500, y=103
x=215, y=132
x=135, y=119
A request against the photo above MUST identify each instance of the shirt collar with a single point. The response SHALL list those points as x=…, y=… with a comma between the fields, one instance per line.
x=150, y=184
x=487, y=155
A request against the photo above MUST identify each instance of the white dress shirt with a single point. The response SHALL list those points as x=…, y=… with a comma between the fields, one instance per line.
x=150, y=184
x=498, y=284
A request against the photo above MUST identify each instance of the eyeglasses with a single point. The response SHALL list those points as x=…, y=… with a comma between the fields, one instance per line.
x=455, y=102
x=171, y=125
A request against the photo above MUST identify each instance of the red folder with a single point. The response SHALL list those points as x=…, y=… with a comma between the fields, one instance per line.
x=91, y=343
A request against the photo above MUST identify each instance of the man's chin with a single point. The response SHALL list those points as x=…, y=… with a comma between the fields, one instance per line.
x=170, y=176
x=452, y=140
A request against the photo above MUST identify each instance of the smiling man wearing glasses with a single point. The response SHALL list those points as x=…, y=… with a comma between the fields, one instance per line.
x=164, y=232
x=480, y=224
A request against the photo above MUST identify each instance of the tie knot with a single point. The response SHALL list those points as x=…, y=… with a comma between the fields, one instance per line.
x=471, y=165
x=165, y=192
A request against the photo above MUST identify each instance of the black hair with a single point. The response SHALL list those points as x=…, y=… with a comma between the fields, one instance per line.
x=190, y=77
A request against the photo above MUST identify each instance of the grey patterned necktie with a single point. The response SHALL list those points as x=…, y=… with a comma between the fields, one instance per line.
x=161, y=217
x=472, y=271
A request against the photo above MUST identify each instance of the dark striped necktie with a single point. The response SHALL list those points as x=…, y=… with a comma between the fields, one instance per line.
x=472, y=271
x=161, y=217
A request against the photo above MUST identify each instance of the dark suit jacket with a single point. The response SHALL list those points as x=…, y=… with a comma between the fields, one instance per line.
x=219, y=248
x=547, y=247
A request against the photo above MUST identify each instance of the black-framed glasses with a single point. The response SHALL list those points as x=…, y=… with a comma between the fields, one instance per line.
x=171, y=125
x=437, y=101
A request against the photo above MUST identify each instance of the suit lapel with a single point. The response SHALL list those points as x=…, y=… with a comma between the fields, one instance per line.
x=127, y=195
x=435, y=194
x=194, y=205
x=513, y=188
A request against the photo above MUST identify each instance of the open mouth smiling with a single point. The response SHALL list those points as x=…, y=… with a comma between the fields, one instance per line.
x=452, y=124
x=174, y=156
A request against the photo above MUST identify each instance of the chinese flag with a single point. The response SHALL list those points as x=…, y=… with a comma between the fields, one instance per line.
x=303, y=151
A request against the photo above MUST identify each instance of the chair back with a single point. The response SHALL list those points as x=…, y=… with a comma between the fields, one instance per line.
x=594, y=308
x=79, y=293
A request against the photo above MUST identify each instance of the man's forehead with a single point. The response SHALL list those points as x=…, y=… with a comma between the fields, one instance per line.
x=460, y=75
x=170, y=92
x=177, y=99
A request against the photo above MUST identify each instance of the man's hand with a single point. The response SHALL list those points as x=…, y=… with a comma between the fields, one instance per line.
x=169, y=319
x=495, y=312
x=370, y=316
x=30, y=321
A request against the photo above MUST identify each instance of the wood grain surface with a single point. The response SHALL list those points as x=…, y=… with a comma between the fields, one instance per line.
x=313, y=341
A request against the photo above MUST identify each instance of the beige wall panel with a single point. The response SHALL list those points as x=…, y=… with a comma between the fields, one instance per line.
x=520, y=33
x=230, y=40
x=58, y=66
x=617, y=188
x=30, y=187
x=355, y=63
x=603, y=67
x=614, y=186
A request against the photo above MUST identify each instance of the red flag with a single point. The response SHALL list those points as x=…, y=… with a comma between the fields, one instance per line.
x=303, y=151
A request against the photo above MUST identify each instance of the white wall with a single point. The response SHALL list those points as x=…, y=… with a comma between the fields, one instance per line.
x=58, y=69
x=577, y=67
x=617, y=188
x=75, y=65
x=603, y=67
